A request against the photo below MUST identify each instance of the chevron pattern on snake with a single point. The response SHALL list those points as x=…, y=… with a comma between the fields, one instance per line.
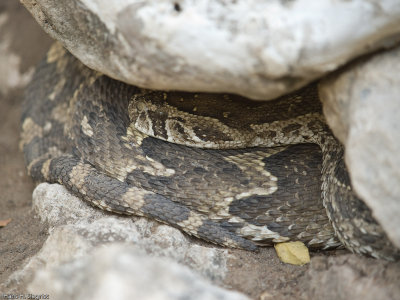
x=219, y=167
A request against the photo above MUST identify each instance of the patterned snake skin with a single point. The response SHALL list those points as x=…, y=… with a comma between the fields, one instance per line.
x=259, y=182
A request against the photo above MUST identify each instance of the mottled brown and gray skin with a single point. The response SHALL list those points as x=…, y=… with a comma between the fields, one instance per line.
x=79, y=129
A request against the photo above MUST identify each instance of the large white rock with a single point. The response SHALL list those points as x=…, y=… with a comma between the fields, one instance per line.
x=362, y=106
x=121, y=272
x=351, y=277
x=259, y=49
x=76, y=228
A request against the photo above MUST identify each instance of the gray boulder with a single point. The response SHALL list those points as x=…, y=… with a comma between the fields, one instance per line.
x=259, y=49
x=121, y=272
x=362, y=106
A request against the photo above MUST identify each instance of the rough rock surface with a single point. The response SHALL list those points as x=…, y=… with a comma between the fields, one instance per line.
x=351, y=277
x=362, y=106
x=79, y=227
x=121, y=272
x=259, y=49
x=77, y=230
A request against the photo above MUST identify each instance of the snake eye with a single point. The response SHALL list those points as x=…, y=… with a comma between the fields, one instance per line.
x=140, y=106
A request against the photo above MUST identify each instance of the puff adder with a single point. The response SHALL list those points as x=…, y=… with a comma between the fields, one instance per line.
x=220, y=167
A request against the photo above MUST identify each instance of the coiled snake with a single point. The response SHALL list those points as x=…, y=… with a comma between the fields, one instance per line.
x=258, y=183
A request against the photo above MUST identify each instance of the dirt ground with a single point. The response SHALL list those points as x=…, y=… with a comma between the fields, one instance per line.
x=24, y=235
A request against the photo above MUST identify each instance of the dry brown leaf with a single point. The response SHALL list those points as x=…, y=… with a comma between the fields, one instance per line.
x=4, y=222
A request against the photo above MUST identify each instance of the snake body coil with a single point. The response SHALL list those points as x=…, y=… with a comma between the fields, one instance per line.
x=93, y=135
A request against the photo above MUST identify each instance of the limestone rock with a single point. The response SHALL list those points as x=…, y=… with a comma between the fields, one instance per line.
x=55, y=205
x=76, y=229
x=351, y=277
x=121, y=272
x=259, y=49
x=362, y=106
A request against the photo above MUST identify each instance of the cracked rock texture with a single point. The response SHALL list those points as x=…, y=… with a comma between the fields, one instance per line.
x=259, y=49
x=78, y=225
x=362, y=106
x=134, y=257
x=121, y=272
x=351, y=277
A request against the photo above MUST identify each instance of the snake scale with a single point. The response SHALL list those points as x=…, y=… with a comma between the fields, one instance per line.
x=219, y=167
